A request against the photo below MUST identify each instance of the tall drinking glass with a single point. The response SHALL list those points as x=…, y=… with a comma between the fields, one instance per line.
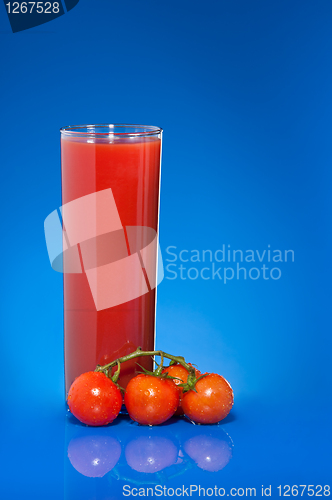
x=110, y=206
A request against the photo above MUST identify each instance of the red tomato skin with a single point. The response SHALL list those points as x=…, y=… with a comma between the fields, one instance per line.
x=211, y=403
x=94, y=399
x=181, y=373
x=151, y=400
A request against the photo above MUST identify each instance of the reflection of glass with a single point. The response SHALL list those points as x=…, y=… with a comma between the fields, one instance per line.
x=101, y=461
x=110, y=198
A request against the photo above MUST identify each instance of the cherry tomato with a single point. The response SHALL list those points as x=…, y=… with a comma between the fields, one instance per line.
x=94, y=399
x=211, y=403
x=181, y=373
x=151, y=400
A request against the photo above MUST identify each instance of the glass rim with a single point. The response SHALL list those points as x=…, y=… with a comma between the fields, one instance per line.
x=92, y=130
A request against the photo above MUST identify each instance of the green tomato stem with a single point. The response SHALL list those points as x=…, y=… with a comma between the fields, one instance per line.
x=116, y=374
x=139, y=353
x=160, y=367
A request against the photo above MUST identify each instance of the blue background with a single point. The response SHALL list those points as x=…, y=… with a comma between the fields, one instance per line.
x=243, y=93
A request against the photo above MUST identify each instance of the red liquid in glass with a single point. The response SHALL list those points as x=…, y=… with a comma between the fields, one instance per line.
x=131, y=170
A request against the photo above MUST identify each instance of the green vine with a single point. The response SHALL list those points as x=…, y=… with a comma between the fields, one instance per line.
x=191, y=381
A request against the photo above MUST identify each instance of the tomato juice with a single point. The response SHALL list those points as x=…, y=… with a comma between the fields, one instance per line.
x=130, y=166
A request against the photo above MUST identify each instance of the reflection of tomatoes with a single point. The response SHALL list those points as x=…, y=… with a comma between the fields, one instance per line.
x=209, y=453
x=94, y=399
x=151, y=453
x=94, y=456
x=181, y=375
x=151, y=400
x=211, y=403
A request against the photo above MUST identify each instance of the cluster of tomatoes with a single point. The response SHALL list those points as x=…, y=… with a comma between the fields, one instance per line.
x=151, y=399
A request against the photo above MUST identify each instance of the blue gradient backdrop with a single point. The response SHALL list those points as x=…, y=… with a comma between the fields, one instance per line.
x=242, y=90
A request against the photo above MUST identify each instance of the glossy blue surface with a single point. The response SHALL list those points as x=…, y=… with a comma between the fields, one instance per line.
x=243, y=92
x=55, y=456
